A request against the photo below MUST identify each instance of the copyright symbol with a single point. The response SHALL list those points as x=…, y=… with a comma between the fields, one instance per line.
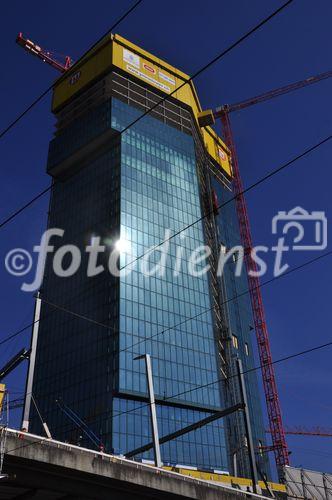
x=18, y=262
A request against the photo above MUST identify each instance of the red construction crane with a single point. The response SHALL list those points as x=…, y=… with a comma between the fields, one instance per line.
x=44, y=55
x=279, y=445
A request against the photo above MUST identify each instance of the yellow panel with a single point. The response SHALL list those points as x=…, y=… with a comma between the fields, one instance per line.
x=224, y=478
x=217, y=149
x=82, y=74
x=142, y=68
x=119, y=39
x=2, y=394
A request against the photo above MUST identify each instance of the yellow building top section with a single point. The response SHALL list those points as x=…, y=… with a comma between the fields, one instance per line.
x=115, y=51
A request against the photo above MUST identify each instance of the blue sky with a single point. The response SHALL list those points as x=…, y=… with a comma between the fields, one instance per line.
x=293, y=46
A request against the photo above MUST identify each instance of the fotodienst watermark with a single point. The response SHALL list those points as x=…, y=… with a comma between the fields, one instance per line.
x=296, y=230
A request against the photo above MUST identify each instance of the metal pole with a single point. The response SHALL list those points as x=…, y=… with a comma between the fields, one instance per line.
x=247, y=424
x=153, y=414
x=34, y=340
x=235, y=463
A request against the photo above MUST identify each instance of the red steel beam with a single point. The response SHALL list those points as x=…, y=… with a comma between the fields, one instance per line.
x=42, y=54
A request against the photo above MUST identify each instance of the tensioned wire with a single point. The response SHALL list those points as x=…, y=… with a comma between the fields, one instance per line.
x=38, y=99
x=287, y=273
x=186, y=82
x=196, y=74
x=252, y=186
x=277, y=361
x=165, y=98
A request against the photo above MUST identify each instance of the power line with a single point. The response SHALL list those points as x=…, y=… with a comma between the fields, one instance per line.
x=36, y=101
x=109, y=327
x=280, y=360
x=250, y=370
x=252, y=186
x=244, y=191
x=200, y=71
x=228, y=201
x=108, y=32
x=21, y=115
x=19, y=210
x=297, y=268
x=211, y=62
x=166, y=240
x=13, y=335
x=316, y=452
x=291, y=271
x=229, y=50
x=301, y=266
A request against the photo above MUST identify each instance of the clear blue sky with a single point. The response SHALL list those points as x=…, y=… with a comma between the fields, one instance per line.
x=294, y=45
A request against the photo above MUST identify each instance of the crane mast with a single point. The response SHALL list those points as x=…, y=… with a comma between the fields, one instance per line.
x=269, y=382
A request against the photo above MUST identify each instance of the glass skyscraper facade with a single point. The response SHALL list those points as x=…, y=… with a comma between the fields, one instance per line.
x=135, y=186
x=159, y=192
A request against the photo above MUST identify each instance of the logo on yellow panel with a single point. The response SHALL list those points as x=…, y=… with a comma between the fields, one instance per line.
x=76, y=76
x=221, y=154
x=149, y=68
x=131, y=58
x=166, y=78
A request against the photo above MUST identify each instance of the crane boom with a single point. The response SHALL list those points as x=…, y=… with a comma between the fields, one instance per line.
x=299, y=431
x=42, y=54
x=230, y=108
x=309, y=433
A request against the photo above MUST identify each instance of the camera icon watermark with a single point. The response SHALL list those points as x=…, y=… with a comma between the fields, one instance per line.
x=311, y=228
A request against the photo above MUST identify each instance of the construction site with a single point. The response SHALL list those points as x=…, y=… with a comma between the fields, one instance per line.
x=155, y=384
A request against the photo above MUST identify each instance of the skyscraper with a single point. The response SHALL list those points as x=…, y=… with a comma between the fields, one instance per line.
x=131, y=169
